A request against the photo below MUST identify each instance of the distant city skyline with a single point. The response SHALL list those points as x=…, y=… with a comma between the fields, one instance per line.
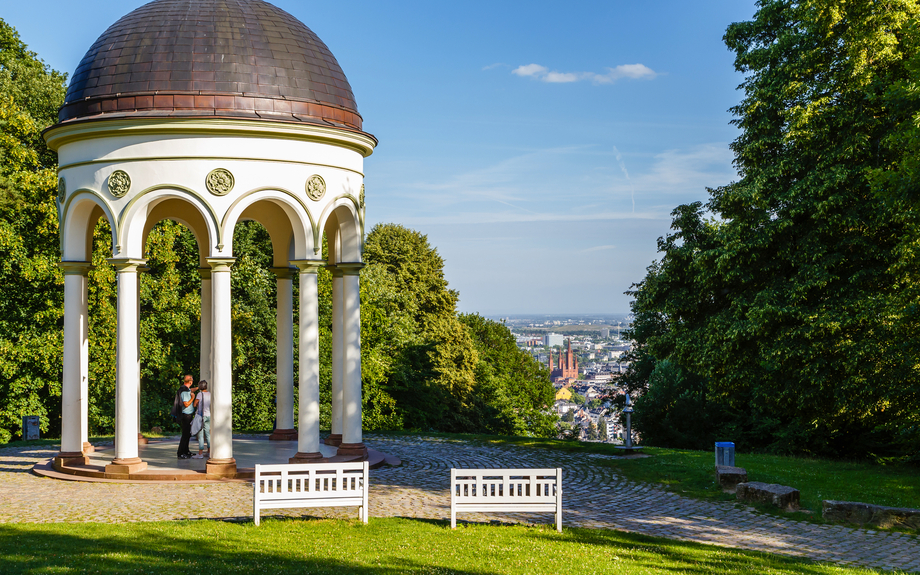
x=540, y=150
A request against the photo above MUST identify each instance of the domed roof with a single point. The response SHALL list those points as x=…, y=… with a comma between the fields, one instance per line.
x=211, y=58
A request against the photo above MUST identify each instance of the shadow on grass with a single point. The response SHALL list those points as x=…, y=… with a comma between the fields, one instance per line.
x=384, y=547
x=662, y=555
x=195, y=547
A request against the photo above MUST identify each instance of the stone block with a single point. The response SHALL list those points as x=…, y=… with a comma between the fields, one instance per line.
x=867, y=514
x=125, y=468
x=770, y=493
x=730, y=477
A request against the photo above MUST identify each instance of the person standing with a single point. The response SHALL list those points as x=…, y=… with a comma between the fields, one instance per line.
x=187, y=414
x=203, y=406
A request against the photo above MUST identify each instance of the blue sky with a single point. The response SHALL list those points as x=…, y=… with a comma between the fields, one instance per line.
x=541, y=146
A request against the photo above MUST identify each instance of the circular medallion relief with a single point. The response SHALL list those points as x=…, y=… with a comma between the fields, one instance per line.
x=119, y=183
x=219, y=182
x=62, y=190
x=316, y=187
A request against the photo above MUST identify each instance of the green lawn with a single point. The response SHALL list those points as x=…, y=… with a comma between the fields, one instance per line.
x=693, y=473
x=385, y=546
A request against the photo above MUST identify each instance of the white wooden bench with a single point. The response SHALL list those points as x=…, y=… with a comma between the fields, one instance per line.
x=506, y=490
x=286, y=486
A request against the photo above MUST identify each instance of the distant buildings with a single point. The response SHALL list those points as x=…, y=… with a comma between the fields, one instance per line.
x=552, y=340
x=567, y=367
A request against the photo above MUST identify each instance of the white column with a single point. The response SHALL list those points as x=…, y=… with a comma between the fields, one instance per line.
x=204, y=363
x=284, y=366
x=221, y=460
x=127, y=377
x=308, y=373
x=141, y=440
x=73, y=385
x=338, y=355
x=351, y=384
x=84, y=365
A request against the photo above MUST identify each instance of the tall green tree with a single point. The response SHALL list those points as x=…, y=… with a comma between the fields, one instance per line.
x=513, y=390
x=434, y=376
x=783, y=297
x=31, y=308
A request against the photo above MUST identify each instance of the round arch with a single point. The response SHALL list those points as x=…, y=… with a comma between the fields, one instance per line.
x=342, y=224
x=167, y=202
x=180, y=211
x=80, y=215
x=288, y=222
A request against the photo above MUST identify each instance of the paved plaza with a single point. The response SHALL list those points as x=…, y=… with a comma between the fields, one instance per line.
x=595, y=496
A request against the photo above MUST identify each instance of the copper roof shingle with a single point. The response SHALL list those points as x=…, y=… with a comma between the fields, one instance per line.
x=211, y=58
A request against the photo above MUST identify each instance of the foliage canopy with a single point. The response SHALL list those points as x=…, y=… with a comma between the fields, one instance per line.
x=784, y=311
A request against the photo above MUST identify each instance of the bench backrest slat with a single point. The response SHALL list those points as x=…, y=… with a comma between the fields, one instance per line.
x=309, y=480
x=504, y=485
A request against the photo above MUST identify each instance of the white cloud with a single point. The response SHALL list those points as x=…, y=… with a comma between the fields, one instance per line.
x=560, y=78
x=530, y=70
x=492, y=66
x=544, y=74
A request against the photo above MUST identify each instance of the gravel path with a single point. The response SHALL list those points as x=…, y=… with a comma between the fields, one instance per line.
x=595, y=496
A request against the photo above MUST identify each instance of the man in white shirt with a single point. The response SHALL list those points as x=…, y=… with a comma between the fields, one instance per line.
x=187, y=400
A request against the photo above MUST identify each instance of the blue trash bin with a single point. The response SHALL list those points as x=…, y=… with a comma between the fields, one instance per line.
x=725, y=453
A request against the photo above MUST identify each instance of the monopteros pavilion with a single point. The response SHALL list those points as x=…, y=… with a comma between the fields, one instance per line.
x=211, y=112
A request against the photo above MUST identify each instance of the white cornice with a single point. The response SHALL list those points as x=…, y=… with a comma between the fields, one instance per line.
x=61, y=134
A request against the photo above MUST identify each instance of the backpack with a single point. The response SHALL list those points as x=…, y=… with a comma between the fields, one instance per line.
x=177, y=404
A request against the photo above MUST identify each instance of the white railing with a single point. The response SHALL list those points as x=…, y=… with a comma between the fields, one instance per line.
x=506, y=490
x=287, y=486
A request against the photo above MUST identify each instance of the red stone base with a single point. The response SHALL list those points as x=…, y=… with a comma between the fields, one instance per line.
x=126, y=466
x=221, y=467
x=333, y=439
x=88, y=447
x=353, y=449
x=283, y=435
x=300, y=457
x=66, y=458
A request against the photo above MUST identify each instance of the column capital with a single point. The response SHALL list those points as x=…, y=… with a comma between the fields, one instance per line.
x=205, y=273
x=350, y=268
x=221, y=264
x=308, y=266
x=283, y=273
x=75, y=268
x=129, y=265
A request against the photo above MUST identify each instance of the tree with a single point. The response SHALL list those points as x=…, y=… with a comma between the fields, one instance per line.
x=31, y=309
x=784, y=299
x=602, y=428
x=512, y=388
x=591, y=432
x=432, y=379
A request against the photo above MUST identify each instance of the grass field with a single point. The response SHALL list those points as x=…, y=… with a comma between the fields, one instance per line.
x=693, y=473
x=383, y=547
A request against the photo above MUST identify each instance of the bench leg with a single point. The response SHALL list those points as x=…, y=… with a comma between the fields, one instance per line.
x=453, y=519
x=558, y=522
x=255, y=514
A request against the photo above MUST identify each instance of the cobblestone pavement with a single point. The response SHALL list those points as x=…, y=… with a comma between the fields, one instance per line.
x=595, y=496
